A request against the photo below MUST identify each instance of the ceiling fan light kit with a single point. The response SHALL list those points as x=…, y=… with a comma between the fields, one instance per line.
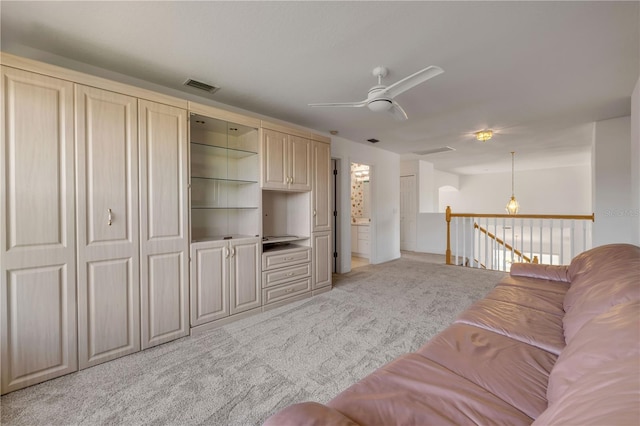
x=380, y=97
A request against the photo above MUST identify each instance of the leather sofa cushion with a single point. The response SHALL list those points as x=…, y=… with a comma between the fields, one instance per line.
x=534, y=327
x=607, y=337
x=413, y=390
x=621, y=288
x=308, y=414
x=523, y=282
x=542, y=272
x=533, y=298
x=607, y=395
x=491, y=361
x=598, y=266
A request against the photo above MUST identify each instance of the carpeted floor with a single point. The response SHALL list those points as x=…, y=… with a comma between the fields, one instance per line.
x=243, y=372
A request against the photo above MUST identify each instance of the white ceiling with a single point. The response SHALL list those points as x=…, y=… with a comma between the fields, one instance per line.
x=538, y=73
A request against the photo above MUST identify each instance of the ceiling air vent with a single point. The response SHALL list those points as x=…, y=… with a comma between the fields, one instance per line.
x=373, y=140
x=201, y=86
x=434, y=150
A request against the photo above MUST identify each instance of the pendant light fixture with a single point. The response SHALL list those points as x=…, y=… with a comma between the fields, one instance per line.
x=512, y=205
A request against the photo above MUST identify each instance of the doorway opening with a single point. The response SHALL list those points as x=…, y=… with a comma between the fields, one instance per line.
x=360, y=214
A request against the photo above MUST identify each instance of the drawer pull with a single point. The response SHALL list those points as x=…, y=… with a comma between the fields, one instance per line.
x=290, y=290
x=290, y=274
x=287, y=258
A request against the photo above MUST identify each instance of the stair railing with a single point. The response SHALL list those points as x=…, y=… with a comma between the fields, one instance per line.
x=494, y=241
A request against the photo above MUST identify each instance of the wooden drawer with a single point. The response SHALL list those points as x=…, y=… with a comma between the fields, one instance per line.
x=274, y=294
x=285, y=275
x=363, y=229
x=288, y=257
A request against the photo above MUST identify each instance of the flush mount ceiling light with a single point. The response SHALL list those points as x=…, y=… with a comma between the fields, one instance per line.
x=484, y=135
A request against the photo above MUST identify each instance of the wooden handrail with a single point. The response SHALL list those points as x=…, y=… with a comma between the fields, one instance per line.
x=499, y=241
x=590, y=217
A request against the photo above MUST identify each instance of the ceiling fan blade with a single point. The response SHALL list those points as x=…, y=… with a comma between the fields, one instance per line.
x=413, y=80
x=398, y=112
x=341, y=104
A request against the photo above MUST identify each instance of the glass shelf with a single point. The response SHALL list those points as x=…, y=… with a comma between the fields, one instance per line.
x=222, y=208
x=224, y=180
x=227, y=152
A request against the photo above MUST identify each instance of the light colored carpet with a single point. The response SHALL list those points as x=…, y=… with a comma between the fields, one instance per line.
x=243, y=372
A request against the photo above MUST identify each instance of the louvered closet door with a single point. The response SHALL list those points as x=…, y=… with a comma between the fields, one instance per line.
x=37, y=253
x=164, y=237
x=108, y=248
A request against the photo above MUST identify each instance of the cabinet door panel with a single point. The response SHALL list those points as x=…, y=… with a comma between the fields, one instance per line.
x=37, y=230
x=274, y=160
x=111, y=328
x=108, y=248
x=321, y=195
x=245, y=276
x=164, y=234
x=300, y=163
x=321, y=259
x=39, y=338
x=209, y=282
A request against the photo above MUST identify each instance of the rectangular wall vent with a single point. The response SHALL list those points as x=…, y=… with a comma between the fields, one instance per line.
x=201, y=86
x=434, y=150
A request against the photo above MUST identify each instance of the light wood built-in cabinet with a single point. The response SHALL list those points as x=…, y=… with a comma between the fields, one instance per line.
x=38, y=230
x=131, y=218
x=224, y=279
x=164, y=227
x=94, y=221
x=286, y=161
x=225, y=215
x=107, y=223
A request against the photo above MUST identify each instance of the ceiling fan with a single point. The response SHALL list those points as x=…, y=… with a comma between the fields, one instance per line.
x=380, y=97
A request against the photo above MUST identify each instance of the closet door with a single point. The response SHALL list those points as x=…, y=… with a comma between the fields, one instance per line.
x=108, y=242
x=164, y=237
x=321, y=193
x=209, y=281
x=37, y=253
x=299, y=158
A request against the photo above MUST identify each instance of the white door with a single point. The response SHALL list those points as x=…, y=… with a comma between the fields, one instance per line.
x=408, y=212
x=38, y=244
x=164, y=233
x=108, y=241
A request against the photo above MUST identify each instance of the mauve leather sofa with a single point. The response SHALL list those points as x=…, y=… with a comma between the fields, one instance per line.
x=550, y=345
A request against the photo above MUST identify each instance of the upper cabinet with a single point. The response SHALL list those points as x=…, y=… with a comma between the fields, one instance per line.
x=225, y=193
x=286, y=161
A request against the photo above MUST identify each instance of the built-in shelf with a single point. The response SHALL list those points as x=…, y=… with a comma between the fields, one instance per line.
x=222, y=238
x=226, y=180
x=226, y=152
x=282, y=239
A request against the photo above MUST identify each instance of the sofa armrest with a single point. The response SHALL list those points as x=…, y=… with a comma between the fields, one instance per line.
x=543, y=272
x=308, y=414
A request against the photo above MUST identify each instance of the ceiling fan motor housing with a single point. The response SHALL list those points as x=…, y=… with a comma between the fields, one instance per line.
x=379, y=105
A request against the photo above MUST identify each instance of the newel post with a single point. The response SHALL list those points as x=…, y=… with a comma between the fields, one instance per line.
x=448, y=252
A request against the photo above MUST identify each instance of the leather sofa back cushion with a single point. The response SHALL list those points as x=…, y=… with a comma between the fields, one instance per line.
x=611, y=336
x=606, y=396
x=599, y=266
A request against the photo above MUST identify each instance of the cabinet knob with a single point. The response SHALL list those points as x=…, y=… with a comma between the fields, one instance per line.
x=314, y=212
x=109, y=217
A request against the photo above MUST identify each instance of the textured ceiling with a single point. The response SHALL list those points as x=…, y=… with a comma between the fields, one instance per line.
x=538, y=73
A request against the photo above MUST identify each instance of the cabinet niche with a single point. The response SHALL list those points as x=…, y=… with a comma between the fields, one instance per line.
x=225, y=190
